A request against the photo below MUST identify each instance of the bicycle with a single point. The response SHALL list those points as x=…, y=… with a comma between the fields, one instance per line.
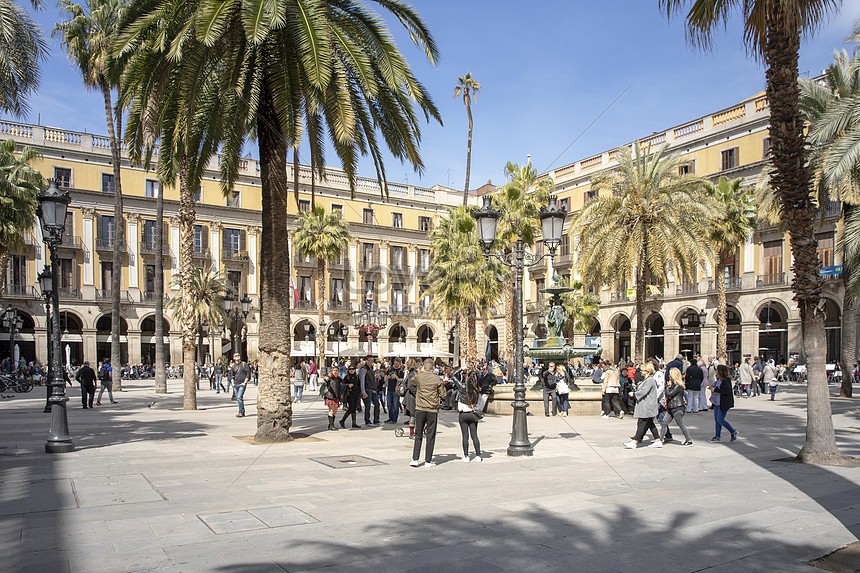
x=400, y=432
x=11, y=383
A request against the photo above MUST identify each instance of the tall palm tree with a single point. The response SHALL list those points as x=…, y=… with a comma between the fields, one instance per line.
x=207, y=295
x=19, y=184
x=519, y=202
x=832, y=110
x=469, y=88
x=282, y=68
x=176, y=113
x=582, y=307
x=772, y=32
x=88, y=36
x=734, y=221
x=462, y=282
x=326, y=237
x=646, y=220
x=22, y=47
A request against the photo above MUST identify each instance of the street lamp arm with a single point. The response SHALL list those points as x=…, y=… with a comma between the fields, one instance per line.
x=512, y=260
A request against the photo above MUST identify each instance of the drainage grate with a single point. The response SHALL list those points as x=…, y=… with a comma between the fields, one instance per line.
x=340, y=462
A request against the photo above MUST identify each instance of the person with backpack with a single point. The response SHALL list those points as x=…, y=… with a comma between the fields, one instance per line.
x=330, y=393
x=467, y=406
x=393, y=378
x=549, y=393
x=407, y=391
x=238, y=375
x=105, y=372
x=218, y=372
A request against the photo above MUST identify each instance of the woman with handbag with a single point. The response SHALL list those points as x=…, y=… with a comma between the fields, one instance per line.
x=467, y=406
x=723, y=400
x=646, y=406
x=409, y=389
x=562, y=389
x=350, y=389
x=611, y=390
x=676, y=405
x=332, y=396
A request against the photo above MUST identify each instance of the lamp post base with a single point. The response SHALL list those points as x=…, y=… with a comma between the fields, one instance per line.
x=59, y=447
x=520, y=450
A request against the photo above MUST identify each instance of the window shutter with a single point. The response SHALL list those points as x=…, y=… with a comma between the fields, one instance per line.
x=242, y=240
x=204, y=240
x=225, y=243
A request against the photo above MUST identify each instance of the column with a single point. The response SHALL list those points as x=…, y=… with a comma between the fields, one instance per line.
x=749, y=338
x=352, y=290
x=413, y=279
x=576, y=275
x=89, y=336
x=749, y=256
x=795, y=339
x=670, y=342
x=174, y=251
x=87, y=238
x=253, y=234
x=133, y=346
x=383, y=275
x=132, y=239
x=215, y=244
x=709, y=340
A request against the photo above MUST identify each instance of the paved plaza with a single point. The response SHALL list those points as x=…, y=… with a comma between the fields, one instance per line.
x=159, y=489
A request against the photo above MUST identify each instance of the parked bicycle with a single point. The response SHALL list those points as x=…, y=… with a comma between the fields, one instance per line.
x=10, y=383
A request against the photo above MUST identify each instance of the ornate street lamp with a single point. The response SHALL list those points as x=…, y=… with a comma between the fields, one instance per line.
x=552, y=222
x=53, y=205
x=237, y=312
x=46, y=284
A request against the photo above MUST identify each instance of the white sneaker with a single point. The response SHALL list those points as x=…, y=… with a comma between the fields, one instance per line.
x=604, y=416
x=621, y=415
x=465, y=459
x=631, y=445
x=478, y=459
x=656, y=444
x=414, y=463
x=429, y=464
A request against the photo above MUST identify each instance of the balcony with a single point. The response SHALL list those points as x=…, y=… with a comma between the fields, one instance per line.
x=301, y=262
x=150, y=298
x=149, y=248
x=732, y=283
x=200, y=254
x=833, y=209
x=618, y=297
x=369, y=266
x=234, y=255
x=422, y=311
x=422, y=271
x=686, y=289
x=338, y=265
x=563, y=261
x=105, y=243
x=339, y=306
x=399, y=310
x=69, y=293
x=306, y=305
x=19, y=291
x=398, y=270
x=105, y=294
x=70, y=242
x=770, y=280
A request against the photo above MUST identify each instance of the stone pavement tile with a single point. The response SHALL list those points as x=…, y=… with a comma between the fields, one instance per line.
x=53, y=495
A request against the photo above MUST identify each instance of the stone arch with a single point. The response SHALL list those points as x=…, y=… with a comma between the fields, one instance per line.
x=425, y=333
x=103, y=325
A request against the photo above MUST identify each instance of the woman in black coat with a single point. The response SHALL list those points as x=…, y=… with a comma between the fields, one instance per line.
x=693, y=381
x=350, y=389
x=724, y=400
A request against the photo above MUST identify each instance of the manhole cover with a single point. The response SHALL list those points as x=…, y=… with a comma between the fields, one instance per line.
x=340, y=462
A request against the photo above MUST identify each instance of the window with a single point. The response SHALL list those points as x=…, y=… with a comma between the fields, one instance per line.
x=63, y=176
x=304, y=205
x=729, y=158
x=150, y=278
x=149, y=234
x=107, y=183
x=106, y=232
x=306, y=289
x=398, y=257
x=688, y=168
x=765, y=148
x=369, y=292
x=397, y=220
x=336, y=290
x=564, y=204
x=731, y=265
x=18, y=271
x=198, y=194
x=772, y=258
x=424, y=259
x=233, y=240
x=234, y=281
x=152, y=188
x=368, y=252
x=424, y=300
x=589, y=195
x=425, y=224
x=107, y=275
x=398, y=296
x=67, y=273
x=234, y=200
x=540, y=284
x=825, y=248
x=367, y=217
x=201, y=239
x=564, y=248
x=337, y=210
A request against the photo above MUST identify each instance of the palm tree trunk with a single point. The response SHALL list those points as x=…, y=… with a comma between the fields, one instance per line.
x=791, y=179
x=160, y=374
x=848, y=351
x=464, y=336
x=201, y=355
x=313, y=185
x=296, y=177
x=468, y=150
x=320, y=311
x=274, y=410
x=186, y=290
x=119, y=243
x=720, y=279
x=472, y=321
x=639, y=342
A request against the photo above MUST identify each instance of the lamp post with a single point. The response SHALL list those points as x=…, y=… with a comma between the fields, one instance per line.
x=369, y=322
x=46, y=284
x=552, y=222
x=53, y=205
x=13, y=322
x=236, y=312
x=702, y=317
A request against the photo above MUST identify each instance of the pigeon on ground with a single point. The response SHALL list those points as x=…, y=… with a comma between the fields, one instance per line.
x=151, y=404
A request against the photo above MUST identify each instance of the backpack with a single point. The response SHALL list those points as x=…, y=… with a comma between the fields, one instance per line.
x=103, y=373
x=324, y=389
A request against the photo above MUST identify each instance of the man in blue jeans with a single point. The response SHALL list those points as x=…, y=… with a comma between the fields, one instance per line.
x=239, y=374
x=394, y=377
x=369, y=393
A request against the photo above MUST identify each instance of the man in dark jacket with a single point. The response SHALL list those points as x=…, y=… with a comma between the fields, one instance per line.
x=693, y=380
x=597, y=374
x=86, y=377
x=677, y=363
x=239, y=374
x=486, y=381
x=369, y=392
x=549, y=393
x=393, y=379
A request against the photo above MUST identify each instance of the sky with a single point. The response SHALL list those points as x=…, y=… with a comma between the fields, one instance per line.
x=561, y=80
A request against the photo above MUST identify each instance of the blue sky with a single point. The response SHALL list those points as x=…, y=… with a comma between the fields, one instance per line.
x=547, y=70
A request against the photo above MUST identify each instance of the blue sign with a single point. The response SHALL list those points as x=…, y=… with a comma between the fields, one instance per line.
x=592, y=341
x=830, y=271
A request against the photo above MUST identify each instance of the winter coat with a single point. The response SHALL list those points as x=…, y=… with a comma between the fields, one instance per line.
x=727, y=397
x=746, y=373
x=411, y=389
x=646, y=399
x=694, y=377
x=430, y=392
x=674, y=396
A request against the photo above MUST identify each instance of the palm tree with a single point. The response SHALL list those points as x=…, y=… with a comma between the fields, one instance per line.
x=772, y=32
x=326, y=237
x=19, y=184
x=646, y=219
x=22, y=47
x=582, y=307
x=735, y=219
x=207, y=295
x=519, y=202
x=462, y=282
x=328, y=66
x=88, y=36
x=467, y=86
x=831, y=109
